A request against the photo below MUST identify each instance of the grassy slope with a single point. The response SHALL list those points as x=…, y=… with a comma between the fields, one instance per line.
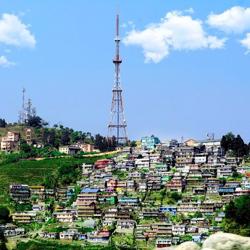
x=33, y=172
x=17, y=128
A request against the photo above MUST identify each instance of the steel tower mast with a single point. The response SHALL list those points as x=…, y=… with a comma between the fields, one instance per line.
x=117, y=126
x=22, y=113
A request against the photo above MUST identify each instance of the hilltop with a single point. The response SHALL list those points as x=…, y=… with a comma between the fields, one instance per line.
x=56, y=136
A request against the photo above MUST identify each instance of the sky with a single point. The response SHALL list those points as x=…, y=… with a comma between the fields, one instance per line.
x=185, y=70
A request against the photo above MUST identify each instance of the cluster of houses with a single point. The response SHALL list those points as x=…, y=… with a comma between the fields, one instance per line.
x=11, y=142
x=165, y=194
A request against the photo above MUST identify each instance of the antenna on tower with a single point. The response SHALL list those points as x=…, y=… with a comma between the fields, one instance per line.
x=210, y=136
x=27, y=110
x=23, y=104
x=23, y=111
x=117, y=126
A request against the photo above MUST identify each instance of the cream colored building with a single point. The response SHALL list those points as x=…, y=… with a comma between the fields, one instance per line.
x=191, y=143
x=10, y=141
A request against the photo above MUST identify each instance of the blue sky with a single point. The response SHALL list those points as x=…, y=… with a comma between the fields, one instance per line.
x=174, y=85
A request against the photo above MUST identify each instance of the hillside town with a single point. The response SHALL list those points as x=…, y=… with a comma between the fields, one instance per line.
x=154, y=195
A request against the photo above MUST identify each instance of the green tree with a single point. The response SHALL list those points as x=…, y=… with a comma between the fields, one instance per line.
x=4, y=214
x=234, y=143
x=2, y=241
x=52, y=137
x=227, y=141
x=176, y=196
x=24, y=147
x=65, y=139
x=104, y=144
x=133, y=144
x=50, y=181
x=237, y=216
x=3, y=123
x=36, y=122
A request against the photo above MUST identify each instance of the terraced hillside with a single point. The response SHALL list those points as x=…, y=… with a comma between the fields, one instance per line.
x=33, y=172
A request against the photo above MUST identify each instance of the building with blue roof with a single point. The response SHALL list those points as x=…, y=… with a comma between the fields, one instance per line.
x=90, y=190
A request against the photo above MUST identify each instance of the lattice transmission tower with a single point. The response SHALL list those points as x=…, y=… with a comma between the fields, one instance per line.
x=118, y=125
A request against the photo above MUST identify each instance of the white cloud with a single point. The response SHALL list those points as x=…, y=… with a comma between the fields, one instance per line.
x=14, y=32
x=174, y=32
x=246, y=42
x=235, y=20
x=4, y=62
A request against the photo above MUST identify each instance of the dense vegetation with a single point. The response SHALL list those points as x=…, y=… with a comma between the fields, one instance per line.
x=57, y=135
x=123, y=241
x=49, y=245
x=234, y=145
x=237, y=219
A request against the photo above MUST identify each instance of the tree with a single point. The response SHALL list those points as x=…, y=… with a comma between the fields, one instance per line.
x=68, y=174
x=186, y=237
x=36, y=122
x=75, y=136
x=65, y=139
x=52, y=137
x=231, y=210
x=50, y=181
x=198, y=214
x=234, y=143
x=2, y=123
x=123, y=241
x=24, y=147
x=227, y=141
x=176, y=196
x=2, y=241
x=4, y=214
x=239, y=147
x=104, y=144
x=133, y=144
x=237, y=216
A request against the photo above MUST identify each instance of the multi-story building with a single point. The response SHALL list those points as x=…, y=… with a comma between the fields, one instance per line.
x=69, y=150
x=224, y=171
x=66, y=217
x=20, y=193
x=38, y=191
x=149, y=142
x=10, y=142
x=24, y=217
x=175, y=185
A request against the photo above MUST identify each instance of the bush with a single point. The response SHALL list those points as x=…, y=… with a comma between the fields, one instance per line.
x=175, y=196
